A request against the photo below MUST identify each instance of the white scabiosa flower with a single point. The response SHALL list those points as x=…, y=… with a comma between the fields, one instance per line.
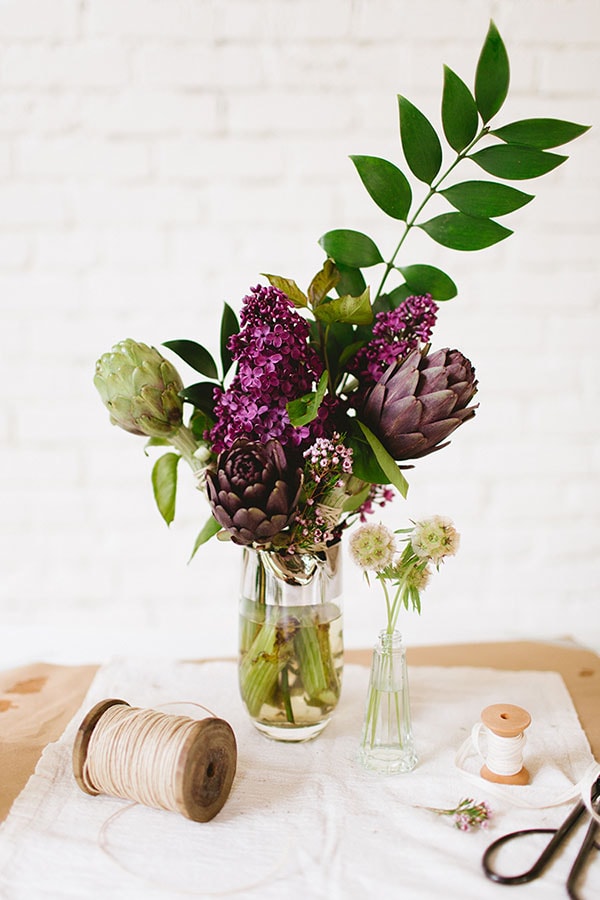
x=435, y=538
x=373, y=547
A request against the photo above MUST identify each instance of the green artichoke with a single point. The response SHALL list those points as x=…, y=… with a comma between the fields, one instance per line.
x=419, y=402
x=140, y=389
x=254, y=491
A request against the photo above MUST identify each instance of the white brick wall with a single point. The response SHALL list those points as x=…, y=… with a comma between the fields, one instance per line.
x=155, y=157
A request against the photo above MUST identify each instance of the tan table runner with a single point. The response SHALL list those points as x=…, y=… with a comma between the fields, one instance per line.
x=37, y=701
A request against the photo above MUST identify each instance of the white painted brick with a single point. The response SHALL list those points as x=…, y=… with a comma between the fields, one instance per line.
x=27, y=204
x=15, y=251
x=150, y=112
x=298, y=112
x=163, y=19
x=52, y=19
x=69, y=251
x=81, y=157
x=194, y=65
x=203, y=159
x=82, y=64
x=154, y=204
x=24, y=110
x=554, y=21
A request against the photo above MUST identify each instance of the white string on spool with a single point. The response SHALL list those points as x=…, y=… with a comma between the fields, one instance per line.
x=503, y=725
x=170, y=762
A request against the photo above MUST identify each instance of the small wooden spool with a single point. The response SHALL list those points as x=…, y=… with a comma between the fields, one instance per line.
x=205, y=767
x=506, y=721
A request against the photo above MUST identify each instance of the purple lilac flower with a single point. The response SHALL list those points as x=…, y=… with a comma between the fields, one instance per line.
x=395, y=334
x=275, y=365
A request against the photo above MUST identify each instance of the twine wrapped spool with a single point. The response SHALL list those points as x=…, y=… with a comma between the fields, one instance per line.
x=507, y=723
x=202, y=773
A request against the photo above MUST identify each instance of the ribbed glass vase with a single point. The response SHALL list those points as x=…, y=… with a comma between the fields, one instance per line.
x=291, y=646
x=387, y=744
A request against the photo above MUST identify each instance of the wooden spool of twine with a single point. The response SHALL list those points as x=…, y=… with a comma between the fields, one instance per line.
x=506, y=724
x=169, y=762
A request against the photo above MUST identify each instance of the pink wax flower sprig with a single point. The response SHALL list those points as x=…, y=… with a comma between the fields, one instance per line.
x=428, y=542
x=468, y=815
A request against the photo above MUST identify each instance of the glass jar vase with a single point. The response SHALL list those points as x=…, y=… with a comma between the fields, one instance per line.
x=291, y=646
x=387, y=745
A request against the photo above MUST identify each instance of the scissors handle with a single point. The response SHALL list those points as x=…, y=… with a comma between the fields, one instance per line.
x=589, y=841
x=545, y=856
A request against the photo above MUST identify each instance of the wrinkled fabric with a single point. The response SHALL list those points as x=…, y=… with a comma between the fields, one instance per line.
x=302, y=820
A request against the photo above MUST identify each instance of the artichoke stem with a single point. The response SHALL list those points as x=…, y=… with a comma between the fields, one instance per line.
x=310, y=662
x=184, y=441
x=260, y=667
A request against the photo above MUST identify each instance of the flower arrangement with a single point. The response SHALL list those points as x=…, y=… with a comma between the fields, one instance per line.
x=324, y=395
x=386, y=741
x=374, y=549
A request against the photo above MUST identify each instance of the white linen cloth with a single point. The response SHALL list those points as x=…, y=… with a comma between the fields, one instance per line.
x=302, y=820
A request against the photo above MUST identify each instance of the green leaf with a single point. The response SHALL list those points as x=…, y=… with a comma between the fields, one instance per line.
x=386, y=185
x=351, y=281
x=429, y=280
x=210, y=528
x=461, y=232
x=200, y=422
x=387, y=463
x=289, y=288
x=353, y=310
x=364, y=463
x=305, y=408
x=492, y=76
x=350, y=248
x=200, y=395
x=459, y=111
x=195, y=355
x=164, y=484
x=540, y=133
x=421, y=145
x=485, y=199
x=229, y=326
x=323, y=282
x=356, y=500
x=516, y=162
x=349, y=351
x=155, y=442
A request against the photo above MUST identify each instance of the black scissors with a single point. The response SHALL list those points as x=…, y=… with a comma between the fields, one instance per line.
x=559, y=835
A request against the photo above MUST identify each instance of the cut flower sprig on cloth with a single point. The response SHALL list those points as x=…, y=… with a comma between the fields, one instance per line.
x=468, y=815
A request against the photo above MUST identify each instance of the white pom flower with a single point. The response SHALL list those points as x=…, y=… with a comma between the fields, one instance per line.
x=372, y=547
x=435, y=538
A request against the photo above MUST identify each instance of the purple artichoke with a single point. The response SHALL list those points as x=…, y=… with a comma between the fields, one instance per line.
x=419, y=402
x=254, y=491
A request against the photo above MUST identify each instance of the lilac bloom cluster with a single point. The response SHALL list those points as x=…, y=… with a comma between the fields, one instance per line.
x=275, y=365
x=395, y=334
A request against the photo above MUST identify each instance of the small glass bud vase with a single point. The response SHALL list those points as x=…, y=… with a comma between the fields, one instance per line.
x=387, y=745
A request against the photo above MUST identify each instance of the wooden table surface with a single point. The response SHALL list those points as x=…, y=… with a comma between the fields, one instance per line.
x=37, y=701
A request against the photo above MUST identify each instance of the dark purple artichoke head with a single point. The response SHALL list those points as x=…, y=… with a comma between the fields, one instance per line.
x=254, y=492
x=419, y=402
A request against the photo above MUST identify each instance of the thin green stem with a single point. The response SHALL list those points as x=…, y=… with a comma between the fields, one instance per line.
x=287, y=700
x=433, y=189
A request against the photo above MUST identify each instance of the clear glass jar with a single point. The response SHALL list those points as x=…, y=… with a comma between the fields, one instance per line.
x=387, y=744
x=291, y=644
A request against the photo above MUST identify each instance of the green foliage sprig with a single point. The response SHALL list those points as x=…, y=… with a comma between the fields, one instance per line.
x=520, y=152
